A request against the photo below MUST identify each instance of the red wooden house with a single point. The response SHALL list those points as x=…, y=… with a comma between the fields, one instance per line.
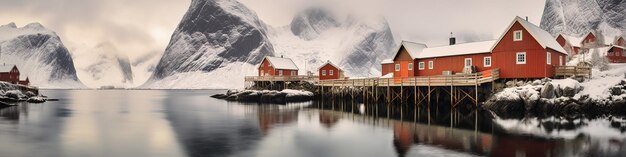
x=523, y=51
x=277, y=66
x=570, y=44
x=330, y=71
x=620, y=41
x=9, y=73
x=590, y=41
x=615, y=53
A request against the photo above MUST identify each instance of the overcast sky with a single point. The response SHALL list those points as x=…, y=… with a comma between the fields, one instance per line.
x=139, y=27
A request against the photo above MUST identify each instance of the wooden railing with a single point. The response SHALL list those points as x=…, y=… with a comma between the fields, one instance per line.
x=282, y=78
x=451, y=80
x=577, y=71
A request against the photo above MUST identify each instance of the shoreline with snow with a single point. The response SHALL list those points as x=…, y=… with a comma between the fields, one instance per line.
x=267, y=96
x=603, y=93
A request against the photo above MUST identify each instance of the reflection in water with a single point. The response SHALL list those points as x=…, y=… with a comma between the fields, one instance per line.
x=190, y=123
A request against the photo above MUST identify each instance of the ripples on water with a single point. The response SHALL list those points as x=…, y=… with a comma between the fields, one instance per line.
x=190, y=123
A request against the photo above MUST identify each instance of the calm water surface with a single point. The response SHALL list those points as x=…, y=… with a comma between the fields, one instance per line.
x=189, y=123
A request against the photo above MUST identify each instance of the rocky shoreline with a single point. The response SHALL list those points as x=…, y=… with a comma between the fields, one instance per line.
x=11, y=93
x=266, y=96
x=547, y=97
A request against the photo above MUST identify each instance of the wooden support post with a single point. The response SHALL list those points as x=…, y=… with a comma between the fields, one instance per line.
x=388, y=91
x=476, y=90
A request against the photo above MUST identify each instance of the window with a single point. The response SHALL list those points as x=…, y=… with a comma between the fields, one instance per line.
x=280, y=72
x=468, y=62
x=323, y=72
x=521, y=58
x=560, y=60
x=397, y=67
x=431, y=64
x=624, y=53
x=548, y=58
x=332, y=72
x=420, y=66
x=262, y=73
x=487, y=61
x=293, y=73
x=517, y=35
x=410, y=66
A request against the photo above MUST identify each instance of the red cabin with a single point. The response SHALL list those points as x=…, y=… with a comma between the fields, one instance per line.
x=277, y=66
x=589, y=41
x=25, y=82
x=10, y=73
x=523, y=51
x=526, y=51
x=615, y=54
x=330, y=71
x=620, y=41
x=570, y=44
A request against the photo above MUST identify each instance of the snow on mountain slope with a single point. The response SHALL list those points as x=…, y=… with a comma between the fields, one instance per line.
x=356, y=45
x=212, y=35
x=39, y=54
x=577, y=17
x=103, y=65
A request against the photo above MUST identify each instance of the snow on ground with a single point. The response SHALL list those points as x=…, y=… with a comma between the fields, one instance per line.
x=206, y=80
x=598, y=86
x=291, y=92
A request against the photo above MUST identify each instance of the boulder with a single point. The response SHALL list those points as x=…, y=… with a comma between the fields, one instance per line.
x=510, y=84
x=548, y=91
x=558, y=91
x=248, y=96
x=569, y=92
x=273, y=97
x=616, y=90
x=219, y=96
x=520, y=83
x=536, y=82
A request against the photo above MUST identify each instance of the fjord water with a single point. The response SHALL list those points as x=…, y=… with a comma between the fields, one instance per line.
x=190, y=123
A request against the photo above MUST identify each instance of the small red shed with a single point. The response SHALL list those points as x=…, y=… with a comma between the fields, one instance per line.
x=571, y=44
x=589, y=41
x=387, y=67
x=25, y=82
x=277, y=66
x=330, y=71
x=620, y=41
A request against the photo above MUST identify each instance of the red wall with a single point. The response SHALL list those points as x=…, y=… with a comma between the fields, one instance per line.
x=504, y=56
x=561, y=40
x=328, y=67
x=590, y=38
x=617, y=55
x=621, y=41
x=452, y=63
x=403, y=58
x=267, y=68
x=12, y=76
x=387, y=68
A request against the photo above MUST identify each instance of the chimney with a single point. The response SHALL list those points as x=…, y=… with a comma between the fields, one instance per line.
x=281, y=56
x=452, y=39
x=526, y=18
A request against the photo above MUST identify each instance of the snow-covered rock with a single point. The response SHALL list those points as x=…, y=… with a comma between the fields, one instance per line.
x=212, y=35
x=39, y=54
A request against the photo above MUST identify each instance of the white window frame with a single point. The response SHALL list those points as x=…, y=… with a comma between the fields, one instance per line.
x=485, y=61
x=517, y=58
x=420, y=66
x=410, y=66
x=470, y=62
x=397, y=67
x=323, y=72
x=560, y=60
x=431, y=64
x=332, y=72
x=521, y=35
x=548, y=58
x=280, y=72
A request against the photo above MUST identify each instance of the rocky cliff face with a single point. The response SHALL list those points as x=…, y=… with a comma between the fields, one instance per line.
x=577, y=17
x=211, y=35
x=39, y=54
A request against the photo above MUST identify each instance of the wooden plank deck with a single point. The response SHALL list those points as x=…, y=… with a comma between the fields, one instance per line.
x=576, y=71
x=452, y=80
x=281, y=78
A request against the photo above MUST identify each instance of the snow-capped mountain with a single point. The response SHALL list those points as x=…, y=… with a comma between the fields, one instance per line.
x=214, y=35
x=356, y=44
x=39, y=55
x=219, y=42
x=577, y=17
x=103, y=65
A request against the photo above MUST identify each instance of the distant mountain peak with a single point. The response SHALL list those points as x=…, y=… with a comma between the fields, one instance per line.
x=9, y=25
